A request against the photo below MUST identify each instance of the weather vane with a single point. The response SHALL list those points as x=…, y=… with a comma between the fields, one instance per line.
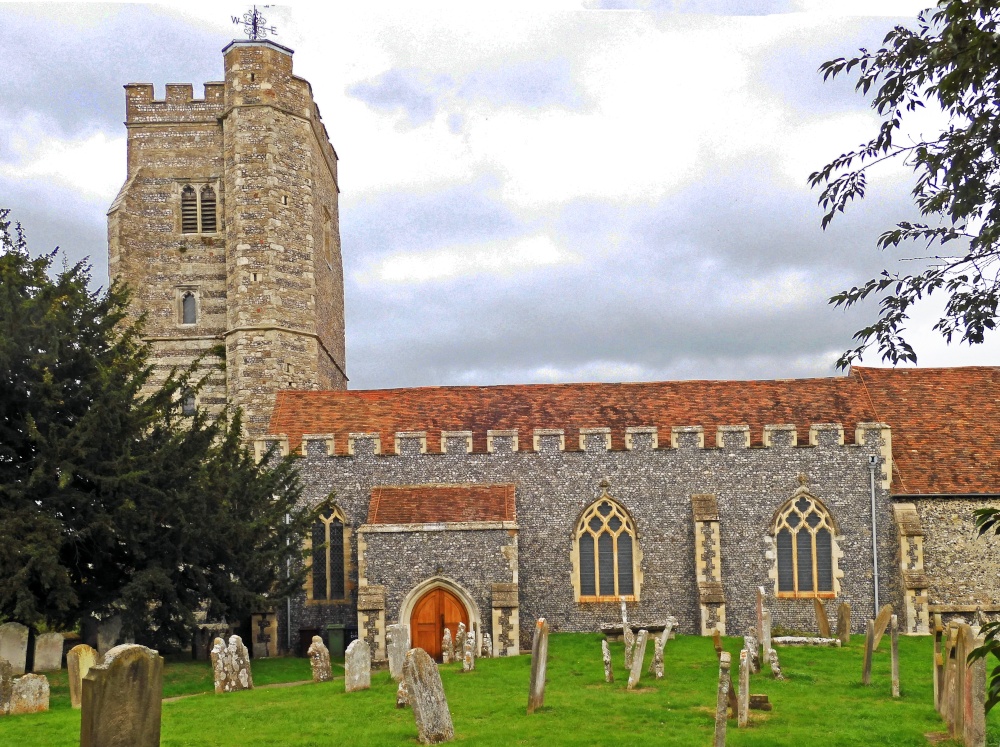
x=255, y=25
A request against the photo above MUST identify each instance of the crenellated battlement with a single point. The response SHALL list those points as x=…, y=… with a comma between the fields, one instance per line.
x=178, y=104
x=590, y=441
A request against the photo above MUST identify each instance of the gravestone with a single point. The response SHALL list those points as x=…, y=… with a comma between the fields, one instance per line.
x=844, y=622
x=426, y=695
x=609, y=675
x=14, y=645
x=640, y=655
x=765, y=641
x=402, y=694
x=668, y=629
x=742, y=713
x=48, y=652
x=29, y=694
x=446, y=646
x=624, y=615
x=629, y=646
x=752, y=648
x=938, y=660
x=760, y=612
x=772, y=659
x=319, y=658
x=894, y=632
x=722, y=700
x=122, y=699
x=539, y=662
x=759, y=702
x=109, y=631
x=79, y=660
x=881, y=623
x=804, y=640
x=458, y=647
x=397, y=639
x=657, y=664
x=822, y=621
x=469, y=653
x=264, y=635
x=357, y=667
x=487, y=646
x=866, y=672
x=231, y=665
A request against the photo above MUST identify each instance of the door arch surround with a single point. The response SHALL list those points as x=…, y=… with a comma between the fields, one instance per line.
x=421, y=590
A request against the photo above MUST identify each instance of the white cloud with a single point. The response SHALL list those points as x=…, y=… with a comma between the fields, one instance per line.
x=492, y=258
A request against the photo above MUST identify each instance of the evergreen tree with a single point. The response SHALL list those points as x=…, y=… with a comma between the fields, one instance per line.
x=112, y=501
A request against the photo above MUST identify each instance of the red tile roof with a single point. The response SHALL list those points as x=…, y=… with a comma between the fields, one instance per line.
x=427, y=504
x=945, y=426
x=943, y=420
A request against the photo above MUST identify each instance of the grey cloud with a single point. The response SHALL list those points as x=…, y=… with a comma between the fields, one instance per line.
x=413, y=91
x=72, y=69
x=708, y=7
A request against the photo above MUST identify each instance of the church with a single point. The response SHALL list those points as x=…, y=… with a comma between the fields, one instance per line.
x=496, y=505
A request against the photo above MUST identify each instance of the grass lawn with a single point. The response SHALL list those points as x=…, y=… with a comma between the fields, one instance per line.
x=821, y=703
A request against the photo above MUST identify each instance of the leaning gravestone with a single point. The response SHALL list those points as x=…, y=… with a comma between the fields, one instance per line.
x=772, y=658
x=657, y=664
x=231, y=665
x=742, y=713
x=487, y=651
x=637, y=659
x=357, y=667
x=894, y=632
x=668, y=629
x=79, y=660
x=397, y=644
x=14, y=645
x=108, y=632
x=844, y=622
x=765, y=641
x=446, y=646
x=722, y=699
x=48, y=652
x=822, y=621
x=539, y=663
x=629, y=646
x=426, y=695
x=609, y=675
x=760, y=612
x=866, y=671
x=122, y=699
x=752, y=648
x=881, y=623
x=319, y=658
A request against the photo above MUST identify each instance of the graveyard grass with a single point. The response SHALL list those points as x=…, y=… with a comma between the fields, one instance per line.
x=821, y=703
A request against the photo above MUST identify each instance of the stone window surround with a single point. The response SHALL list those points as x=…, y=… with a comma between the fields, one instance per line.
x=835, y=552
x=197, y=184
x=575, y=555
x=336, y=513
x=180, y=292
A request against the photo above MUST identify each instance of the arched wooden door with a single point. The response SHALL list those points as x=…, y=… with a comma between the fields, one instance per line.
x=436, y=610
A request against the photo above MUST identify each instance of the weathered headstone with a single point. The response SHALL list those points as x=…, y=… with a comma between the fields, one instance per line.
x=319, y=658
x=231, y=665
x=397, y=639
x=772, y=659
x=122, y=699
x=668, y=629
x=752, y=648
x=357, y=667
x=657, y=664
x=109, y=630
x=402, y=694
x=30, y=694
x=6, y=686
x=894, y=632
x=624, y=615
x=459, y=643
x=446, y=646
x=629, y=646
x=804, y=640
x=744, y=691
x=539, y=662
x=822, y=621
x=469, y=653
x=487, y=651
x=844, y=622
x=866, y=672
x=938, y=660
x=609, y=675
x=881, y=623
x=14, y=645
x=79, y=660
x=717, y=643
x=48, y=652
x=973, y=703
x=426, y=695
x=760, y=612
x=722, y=701
x=637, y=659
x=765, y=641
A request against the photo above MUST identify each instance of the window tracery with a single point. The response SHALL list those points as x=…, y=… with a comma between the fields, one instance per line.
x=605, y=553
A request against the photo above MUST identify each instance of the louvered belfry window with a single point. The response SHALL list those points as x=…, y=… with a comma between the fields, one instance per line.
x=605, y=538
x=804, y=538
x=189, y=210
x=327, y=557
x=207, y=209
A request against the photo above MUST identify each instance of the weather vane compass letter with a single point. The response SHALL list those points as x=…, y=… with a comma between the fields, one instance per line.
x=255, y=25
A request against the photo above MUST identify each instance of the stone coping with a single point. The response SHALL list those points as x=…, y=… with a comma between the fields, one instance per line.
x=443, y=526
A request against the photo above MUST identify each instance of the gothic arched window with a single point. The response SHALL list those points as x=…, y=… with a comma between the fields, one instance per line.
x=207, y=209
x=189, y=210
x=327, y=557
x=605, y=553
x=804, y=539
x=189, y=309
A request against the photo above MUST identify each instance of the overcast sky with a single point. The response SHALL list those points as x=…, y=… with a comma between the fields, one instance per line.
x=533, y=192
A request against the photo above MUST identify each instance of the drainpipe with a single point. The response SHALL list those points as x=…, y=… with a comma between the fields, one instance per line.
x=872, y=465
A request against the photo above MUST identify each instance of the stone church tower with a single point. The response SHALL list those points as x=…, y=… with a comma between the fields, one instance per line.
x=227, y=232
